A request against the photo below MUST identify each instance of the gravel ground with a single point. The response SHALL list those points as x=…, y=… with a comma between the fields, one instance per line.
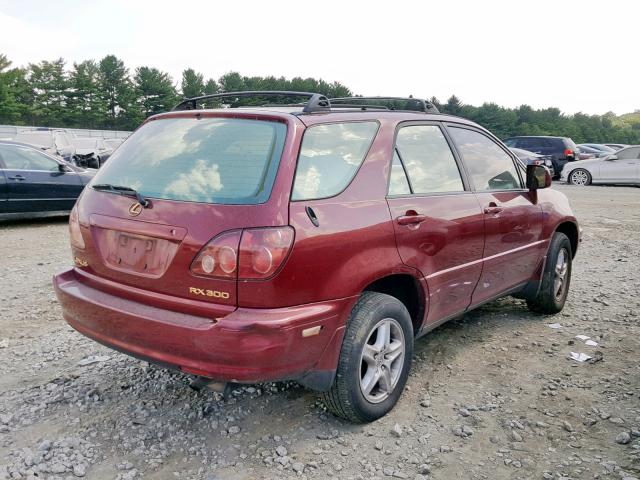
x=491, y=396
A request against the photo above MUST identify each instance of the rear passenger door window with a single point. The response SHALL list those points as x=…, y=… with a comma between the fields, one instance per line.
x=329, y=158
x=489, y=166
x=428, y=160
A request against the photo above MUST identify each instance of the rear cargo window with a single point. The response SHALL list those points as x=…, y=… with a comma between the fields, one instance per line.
x=330, y=156
x=211, y=160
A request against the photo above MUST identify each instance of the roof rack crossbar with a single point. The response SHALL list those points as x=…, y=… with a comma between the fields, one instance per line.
x=361, y=106
x=421, y=105
x=316, y=102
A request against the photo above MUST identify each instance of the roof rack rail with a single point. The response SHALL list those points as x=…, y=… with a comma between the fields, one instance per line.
x=361, y=106
x=388, y=103
x=316, y=101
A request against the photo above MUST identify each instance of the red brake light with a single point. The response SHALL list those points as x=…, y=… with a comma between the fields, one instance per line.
x=219, y=257
x=75, y=234
x=257, y=255
x=263, y=250
x=568, y=152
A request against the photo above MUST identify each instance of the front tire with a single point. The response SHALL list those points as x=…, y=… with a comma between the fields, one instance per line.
x=556, y=277
x=580, y=177
x=374, y=360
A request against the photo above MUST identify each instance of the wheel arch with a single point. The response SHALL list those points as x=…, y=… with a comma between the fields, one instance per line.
x=407, y=289
x=570, y=229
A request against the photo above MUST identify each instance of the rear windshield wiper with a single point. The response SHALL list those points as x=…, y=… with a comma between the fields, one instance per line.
x=122, y=191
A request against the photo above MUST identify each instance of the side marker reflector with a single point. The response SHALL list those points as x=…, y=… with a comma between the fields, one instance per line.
x=310, y=332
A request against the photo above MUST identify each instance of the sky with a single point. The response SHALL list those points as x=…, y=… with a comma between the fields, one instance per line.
x=579, y=56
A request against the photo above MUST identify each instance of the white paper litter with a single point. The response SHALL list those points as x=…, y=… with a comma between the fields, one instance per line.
x=579, y=357
x=582, y=337
x=591, y=343
x=93, y=359
x=555, y=325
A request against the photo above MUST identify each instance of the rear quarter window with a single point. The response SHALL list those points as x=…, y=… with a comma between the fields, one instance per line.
x=330, y=156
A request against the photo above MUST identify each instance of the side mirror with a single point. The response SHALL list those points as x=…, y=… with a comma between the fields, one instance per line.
x=538, y=176
x=611, y=157
x=62, y=168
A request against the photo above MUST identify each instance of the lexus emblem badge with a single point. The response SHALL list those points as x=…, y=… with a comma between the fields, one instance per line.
x=135, y=209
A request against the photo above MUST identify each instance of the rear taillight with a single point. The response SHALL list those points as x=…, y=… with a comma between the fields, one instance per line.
x=74, y=229
x=568, y=152
x=219, y=258
x=263, y=250
x=250, y=254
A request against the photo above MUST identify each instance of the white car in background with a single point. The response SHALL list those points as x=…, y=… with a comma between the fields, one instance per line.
x=622, y=167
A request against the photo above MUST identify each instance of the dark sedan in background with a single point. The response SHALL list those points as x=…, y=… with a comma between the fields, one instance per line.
x=35, y=184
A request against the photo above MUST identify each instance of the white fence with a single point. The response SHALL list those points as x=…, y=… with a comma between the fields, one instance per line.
x=11, y=130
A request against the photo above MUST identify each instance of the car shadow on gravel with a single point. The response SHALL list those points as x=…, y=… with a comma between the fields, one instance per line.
x=34, y=222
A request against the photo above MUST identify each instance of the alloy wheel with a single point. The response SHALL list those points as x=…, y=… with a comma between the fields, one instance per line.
x=580, y=177
x=382, y=360
x=560, y=273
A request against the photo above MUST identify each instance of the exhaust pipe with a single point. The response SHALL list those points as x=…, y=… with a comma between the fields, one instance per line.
x=200, y=383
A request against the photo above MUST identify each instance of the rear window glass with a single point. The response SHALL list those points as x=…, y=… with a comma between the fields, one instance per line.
x=330, y=156
x=211, y=160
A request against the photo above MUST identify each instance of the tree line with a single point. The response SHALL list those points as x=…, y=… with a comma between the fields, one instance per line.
x=524, y=120
x=106, y=94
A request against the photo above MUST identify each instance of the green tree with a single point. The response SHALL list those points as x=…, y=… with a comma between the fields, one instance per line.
x=87, y=107
x=155, y=91
x=211, y=87
x=118, y=94
x=453, y=106
x=192, y=84
x=49, y=84
x=232, y=82
x=15, y=93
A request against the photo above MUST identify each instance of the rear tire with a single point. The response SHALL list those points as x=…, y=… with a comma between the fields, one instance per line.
x=580, y=177
x=556, y=277
x=375, y=359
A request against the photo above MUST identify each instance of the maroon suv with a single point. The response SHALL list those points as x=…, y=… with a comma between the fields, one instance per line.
x=312, y=242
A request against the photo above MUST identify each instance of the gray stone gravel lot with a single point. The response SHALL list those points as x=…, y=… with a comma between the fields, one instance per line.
x=491, y=396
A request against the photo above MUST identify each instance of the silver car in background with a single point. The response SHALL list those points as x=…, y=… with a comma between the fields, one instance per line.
x=622, y=167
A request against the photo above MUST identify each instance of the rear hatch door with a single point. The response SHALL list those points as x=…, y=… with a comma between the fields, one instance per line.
x=202, y=175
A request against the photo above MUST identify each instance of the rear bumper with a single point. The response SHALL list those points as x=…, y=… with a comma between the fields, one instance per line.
x=247, y=345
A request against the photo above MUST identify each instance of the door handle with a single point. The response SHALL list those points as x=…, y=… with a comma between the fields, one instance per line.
x=492, y=209
x=411, y=219
x=17, y=177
